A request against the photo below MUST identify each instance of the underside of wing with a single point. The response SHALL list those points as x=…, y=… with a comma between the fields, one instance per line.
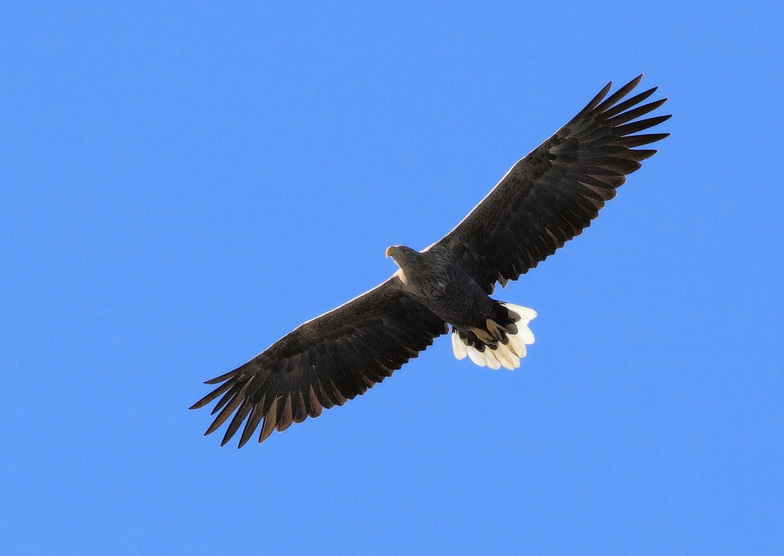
x=323, y=363
x=555, y=191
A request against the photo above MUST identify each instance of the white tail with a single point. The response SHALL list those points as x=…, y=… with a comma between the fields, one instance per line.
x=506, y=355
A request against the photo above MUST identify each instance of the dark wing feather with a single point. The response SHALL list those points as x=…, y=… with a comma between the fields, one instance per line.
x=555, y=191
x=324, y=362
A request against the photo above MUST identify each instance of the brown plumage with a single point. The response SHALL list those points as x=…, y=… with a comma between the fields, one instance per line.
x=545, y=199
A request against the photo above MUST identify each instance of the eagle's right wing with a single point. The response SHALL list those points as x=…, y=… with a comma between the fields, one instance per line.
x=324, y=362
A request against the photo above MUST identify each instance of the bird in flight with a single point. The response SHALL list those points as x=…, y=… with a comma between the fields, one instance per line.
x=544, y=200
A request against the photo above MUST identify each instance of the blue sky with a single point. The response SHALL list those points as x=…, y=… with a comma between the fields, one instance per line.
x=182, y=185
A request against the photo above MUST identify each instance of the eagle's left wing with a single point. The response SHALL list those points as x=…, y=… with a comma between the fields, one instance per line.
x=555, y=191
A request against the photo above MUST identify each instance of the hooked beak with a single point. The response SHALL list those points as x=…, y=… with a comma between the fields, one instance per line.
x=389, y=251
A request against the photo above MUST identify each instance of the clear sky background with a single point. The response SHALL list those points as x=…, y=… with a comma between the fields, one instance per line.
x=183, y=184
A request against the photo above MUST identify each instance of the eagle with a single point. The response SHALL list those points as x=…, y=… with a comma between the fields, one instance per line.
x=545, y=199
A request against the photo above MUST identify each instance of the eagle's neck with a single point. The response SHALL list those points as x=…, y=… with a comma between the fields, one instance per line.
x=423, y=274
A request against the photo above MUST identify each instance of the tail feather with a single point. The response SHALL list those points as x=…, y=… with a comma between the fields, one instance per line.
x=459, y=347
x=501, y=344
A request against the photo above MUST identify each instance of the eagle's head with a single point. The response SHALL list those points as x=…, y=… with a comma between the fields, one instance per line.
x=402, y=255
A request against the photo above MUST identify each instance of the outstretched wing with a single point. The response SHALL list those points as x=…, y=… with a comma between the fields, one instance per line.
x=324, y=362
x=555, y=191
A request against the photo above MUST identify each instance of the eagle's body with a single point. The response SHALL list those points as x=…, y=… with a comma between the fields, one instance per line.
x=545, y=199
x=439, y=282
x=483, y=328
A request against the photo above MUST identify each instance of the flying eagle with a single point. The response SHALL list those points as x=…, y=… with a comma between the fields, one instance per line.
x=543, y=201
